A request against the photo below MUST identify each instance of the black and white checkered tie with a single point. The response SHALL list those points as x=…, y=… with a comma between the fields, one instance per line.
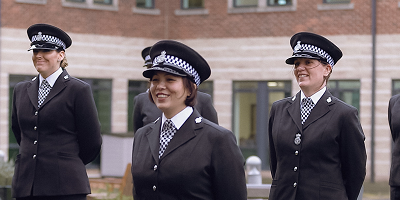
x=306, y=106
x=167, y=133
x=44, y=90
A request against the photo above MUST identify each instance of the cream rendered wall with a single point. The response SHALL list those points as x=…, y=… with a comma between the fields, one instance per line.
x=231, y=59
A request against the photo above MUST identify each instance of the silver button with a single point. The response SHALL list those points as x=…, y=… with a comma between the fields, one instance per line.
x=36, y=112
x=35, y=128
x=34, y=156
x=295, y=169
x=154, y=188
x=155, y=167
x=296, y=153
x=35, y=142
x=294, y=184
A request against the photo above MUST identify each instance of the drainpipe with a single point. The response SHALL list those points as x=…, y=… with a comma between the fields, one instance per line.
x=373, y=33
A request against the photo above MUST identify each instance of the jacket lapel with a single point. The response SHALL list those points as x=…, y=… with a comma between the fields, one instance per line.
x=185, y=133
x=153, y=137
x=320, y=109
x=32, y=91
x=58, y=86
x=294, y=110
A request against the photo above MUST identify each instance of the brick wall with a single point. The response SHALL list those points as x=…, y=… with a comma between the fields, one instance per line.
x=217, y=24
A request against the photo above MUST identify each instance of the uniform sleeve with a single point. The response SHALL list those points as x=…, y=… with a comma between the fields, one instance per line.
x=390, y=108
x=14, y=119
x=87, y=125
x=137, y=115
x=272, y=156
x=353, y=154
x=229, y=177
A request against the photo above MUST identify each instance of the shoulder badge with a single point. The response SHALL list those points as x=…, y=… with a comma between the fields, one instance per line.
x=198, y=120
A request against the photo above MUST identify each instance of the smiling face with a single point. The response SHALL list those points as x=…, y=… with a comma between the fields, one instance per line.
x=311, y=74
x=47, y=62
x=168, y=93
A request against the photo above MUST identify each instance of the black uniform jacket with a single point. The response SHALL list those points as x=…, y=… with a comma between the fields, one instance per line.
x=202, y=161
x=56, y=140
x=329, y=163
x=145, y=111
x=394, y=123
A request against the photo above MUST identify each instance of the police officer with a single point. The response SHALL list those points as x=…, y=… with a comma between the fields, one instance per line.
x=55, y=122
x=145, y=111
x=316, y=141
x=183, y=155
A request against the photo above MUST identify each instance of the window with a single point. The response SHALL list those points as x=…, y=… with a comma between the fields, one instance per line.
x=252, y=101
x=192, y=4
x=105, y=2
x=134, y=88
x=256, y=6
x=336, y=1
x=395, y=87
x=32, y=1
x=111, y=5
x=243, y=3
x=347, y=91
x=279, y=2
x=145, y=3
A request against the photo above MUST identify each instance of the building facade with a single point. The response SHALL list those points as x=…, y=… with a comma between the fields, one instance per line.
x=245, y=42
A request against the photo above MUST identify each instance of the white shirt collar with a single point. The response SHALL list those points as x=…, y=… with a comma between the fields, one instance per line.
x=179, y=118
x=316, y=96
x=52, y=78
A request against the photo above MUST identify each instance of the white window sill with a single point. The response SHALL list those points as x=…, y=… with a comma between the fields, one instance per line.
x=90, y=5
x=32, y=1
x=338, y=6
x=192, y=12
x=146, y=11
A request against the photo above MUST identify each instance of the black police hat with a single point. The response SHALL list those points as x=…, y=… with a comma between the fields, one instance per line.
x=176, y=58
x=146, y=57
x=45, y=36
x=311, y=45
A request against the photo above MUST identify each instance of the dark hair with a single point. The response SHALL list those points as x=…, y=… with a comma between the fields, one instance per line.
x=191, y=100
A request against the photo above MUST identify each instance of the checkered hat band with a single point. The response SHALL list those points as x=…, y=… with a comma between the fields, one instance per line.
x=180, y=64
x=308, y=48
x=50, y=39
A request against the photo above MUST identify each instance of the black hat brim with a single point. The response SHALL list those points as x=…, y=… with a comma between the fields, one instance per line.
x=290, y=61
x=149, y=73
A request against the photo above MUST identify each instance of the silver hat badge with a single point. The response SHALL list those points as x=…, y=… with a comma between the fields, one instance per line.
x=39, y=36
x=161, y=58
x=297, y=47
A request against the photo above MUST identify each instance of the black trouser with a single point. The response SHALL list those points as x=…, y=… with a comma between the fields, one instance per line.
x=65, y=197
